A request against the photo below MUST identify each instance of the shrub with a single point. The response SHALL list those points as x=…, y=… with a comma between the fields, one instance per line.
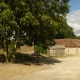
x=11, y=50
x=40, y=49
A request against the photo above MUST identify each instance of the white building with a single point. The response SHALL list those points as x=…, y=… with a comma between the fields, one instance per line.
x=72, y=46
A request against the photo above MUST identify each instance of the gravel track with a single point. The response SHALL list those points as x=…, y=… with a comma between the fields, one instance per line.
x=67, y=69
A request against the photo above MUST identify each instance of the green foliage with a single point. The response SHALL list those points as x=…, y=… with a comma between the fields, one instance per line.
x=11, y=50
x=40, y=49
x=78, y=37
x=29, y=19
x=64, y=30
x=32, y=21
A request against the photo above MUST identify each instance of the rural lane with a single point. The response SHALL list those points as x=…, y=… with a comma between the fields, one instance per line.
x=67, y=69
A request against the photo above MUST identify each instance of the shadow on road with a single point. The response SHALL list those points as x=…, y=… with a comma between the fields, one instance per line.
x=30, y=59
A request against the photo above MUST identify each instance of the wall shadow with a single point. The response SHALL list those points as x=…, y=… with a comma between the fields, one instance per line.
x=30, y=59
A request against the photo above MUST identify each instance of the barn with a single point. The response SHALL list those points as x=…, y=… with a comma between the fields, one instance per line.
x=72, y=46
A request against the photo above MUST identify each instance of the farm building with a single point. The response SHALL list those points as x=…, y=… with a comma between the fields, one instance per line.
x=72, y=46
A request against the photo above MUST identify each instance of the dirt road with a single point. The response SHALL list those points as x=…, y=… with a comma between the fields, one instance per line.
x=67, y=69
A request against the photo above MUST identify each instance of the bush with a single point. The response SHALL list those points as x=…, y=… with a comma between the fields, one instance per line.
x=11, y=50
x=40, y=49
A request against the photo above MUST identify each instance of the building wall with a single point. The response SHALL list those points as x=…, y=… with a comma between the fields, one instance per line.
x=72, y=51
x=56, y=53
x=64, y=52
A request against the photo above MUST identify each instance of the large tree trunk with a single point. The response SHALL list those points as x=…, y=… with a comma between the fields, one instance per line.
x=5, y=46
x=15, y=46
x=16, y=40
x=6, y=55
x=33, y=45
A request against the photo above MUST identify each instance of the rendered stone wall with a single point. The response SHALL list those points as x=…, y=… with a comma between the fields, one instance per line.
x=72, y=51
x=56, y=51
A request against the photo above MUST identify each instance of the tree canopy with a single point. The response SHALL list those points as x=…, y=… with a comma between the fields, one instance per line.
x=32, y=21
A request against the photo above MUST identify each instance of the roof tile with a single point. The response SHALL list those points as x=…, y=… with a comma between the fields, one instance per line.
x=68, y=42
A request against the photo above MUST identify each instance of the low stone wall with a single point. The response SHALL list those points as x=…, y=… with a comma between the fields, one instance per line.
x=57, y=53
x=72, y=51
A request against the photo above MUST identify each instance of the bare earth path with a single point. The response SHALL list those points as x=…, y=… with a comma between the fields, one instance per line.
x=67, y=69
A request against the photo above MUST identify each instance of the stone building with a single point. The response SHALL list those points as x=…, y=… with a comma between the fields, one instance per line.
x=72, y=46
x=56, y=51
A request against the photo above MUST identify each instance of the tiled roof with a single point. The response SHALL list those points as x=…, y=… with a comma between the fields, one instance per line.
x=68, y=42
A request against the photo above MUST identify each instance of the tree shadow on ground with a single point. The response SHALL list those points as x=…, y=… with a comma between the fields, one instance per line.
x=2, y=58
x=30, y=59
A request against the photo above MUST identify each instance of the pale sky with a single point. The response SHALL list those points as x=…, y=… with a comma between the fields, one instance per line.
x=73, y=17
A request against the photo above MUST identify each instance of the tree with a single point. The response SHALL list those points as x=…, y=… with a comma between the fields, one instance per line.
x=6, y=25
x=44, y=18
x=64, y=30
x=31, y=21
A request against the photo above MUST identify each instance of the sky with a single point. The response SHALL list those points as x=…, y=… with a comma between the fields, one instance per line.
x=73, y=17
